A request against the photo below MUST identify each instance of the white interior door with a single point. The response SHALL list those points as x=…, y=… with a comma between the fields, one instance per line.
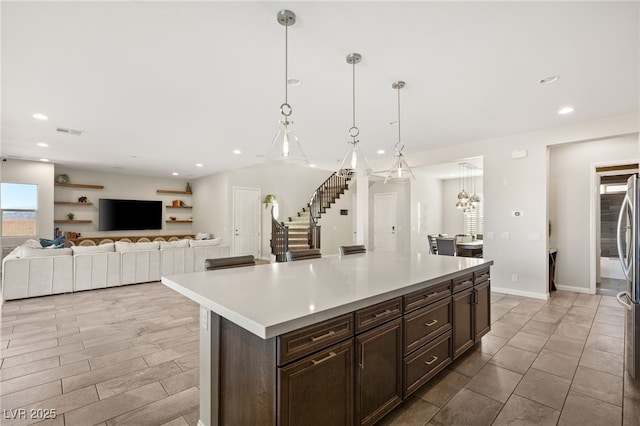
x=385, y=235
x=246, y=221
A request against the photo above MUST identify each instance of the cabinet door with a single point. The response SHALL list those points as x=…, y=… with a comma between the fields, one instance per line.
x=318, y=389
x=378, y=372
x=482, y=309
x=462, y=322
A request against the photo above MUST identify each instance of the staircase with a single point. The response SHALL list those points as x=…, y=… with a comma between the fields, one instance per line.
x=302, y=231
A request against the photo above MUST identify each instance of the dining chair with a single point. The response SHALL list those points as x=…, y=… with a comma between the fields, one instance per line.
x=229, y=262
x=304, y=254
x=433, y=246
x=446, y=246
x=345, y=250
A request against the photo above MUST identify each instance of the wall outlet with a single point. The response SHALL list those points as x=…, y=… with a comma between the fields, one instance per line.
x=514, y=277
x=489, y=235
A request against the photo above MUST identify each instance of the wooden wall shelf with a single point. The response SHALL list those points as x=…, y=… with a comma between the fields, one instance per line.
x=180, y=221
x=73, y=203
x=170, y=191
x=178, y=207
x=79, y=185
x=72, y=221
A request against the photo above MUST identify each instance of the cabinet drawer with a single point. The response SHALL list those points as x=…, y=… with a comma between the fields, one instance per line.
x=302, y=342
x=378, y=314
x=425, y=324
x=481, y=276
x=428, y=295
x=462, y=282
x=426, y=362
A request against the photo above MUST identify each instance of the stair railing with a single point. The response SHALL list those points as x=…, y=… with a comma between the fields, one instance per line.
x=279, y=238
x=320, y=200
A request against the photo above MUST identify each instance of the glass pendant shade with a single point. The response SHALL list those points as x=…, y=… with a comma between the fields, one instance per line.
x=285, y=147
x=354, y=162
x=400, y=170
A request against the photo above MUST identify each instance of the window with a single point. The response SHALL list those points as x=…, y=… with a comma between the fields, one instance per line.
x=474, y=220
x=19, y=206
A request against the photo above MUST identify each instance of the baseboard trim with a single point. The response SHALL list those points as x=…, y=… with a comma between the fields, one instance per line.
x=574, y=289
x=514, y=292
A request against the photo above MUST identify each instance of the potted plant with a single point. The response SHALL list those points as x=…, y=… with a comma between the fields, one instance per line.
x=270, y=199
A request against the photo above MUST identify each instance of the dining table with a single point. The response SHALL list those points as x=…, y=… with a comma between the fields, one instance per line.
x=469, y=248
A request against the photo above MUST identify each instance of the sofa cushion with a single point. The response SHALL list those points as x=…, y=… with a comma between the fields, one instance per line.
x=104, y=248
x=38, y=252
x=174, y=244
x=205, y=243
x=123, y=246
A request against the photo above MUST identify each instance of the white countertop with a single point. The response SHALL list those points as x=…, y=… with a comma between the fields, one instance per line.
x=273, y=299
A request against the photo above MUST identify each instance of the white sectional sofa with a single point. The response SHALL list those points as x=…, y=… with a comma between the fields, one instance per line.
x=29, y=271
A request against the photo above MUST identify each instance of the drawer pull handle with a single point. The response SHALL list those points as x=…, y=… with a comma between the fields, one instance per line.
x=435, y=293
x=434, y=359
x=432, y=323
x=381, y=314
x=320, y=361
x=324, y=336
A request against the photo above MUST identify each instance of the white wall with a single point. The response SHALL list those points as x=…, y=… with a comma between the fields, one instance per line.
x=338, y=230
x=36, y=173
x=570, y=189
x=452, y=217
x=426, y=211
x=520, y=184
x=292, y=186
x=118, y=186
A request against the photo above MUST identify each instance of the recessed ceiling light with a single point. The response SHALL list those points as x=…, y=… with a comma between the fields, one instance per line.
x=551, y=79
x=380, y=151
x=566, y=110
x=237, y=151
x=312, y=165
x=44, y=160
x=293, y=82
x=199, y=165
x=40, y=116
x=42, y=144
x=175, y=173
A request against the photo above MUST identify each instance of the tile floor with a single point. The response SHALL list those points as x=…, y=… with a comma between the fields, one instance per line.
x=129, y=356
x=120, y=356
x=558, y=362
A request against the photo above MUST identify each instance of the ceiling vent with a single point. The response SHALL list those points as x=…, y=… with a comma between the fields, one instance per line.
x=69, y=131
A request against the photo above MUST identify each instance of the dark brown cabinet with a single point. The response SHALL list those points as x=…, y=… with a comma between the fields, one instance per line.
x=378, y=372
x=351, y=369
x=471, y=310
x=463, y=333
x=482, y=308
x=318, y=389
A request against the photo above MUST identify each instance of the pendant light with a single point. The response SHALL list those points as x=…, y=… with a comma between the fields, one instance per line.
x=354, y=160
x=463, y=195
x=400, y=170
x=285, y=146
x=474, y=199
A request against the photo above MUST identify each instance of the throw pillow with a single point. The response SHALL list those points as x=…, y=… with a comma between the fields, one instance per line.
x=205, y=243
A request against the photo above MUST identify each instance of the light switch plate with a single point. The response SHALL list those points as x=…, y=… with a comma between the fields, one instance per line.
x=489, y=235
x=504, y=235
x=534, y=236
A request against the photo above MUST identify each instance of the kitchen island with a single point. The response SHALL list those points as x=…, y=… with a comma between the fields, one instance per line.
x=337, y=340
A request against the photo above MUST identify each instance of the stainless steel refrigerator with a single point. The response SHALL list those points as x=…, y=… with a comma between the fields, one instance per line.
x=629, y=251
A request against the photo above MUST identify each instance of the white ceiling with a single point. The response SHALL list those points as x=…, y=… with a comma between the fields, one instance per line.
x=160, y=86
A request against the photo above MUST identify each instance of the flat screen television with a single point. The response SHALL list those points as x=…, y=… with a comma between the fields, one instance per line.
x=129, y=215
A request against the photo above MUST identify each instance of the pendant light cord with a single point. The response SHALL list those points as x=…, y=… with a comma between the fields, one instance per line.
x=354, y=94
x=286, y=63
x=399, y=146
